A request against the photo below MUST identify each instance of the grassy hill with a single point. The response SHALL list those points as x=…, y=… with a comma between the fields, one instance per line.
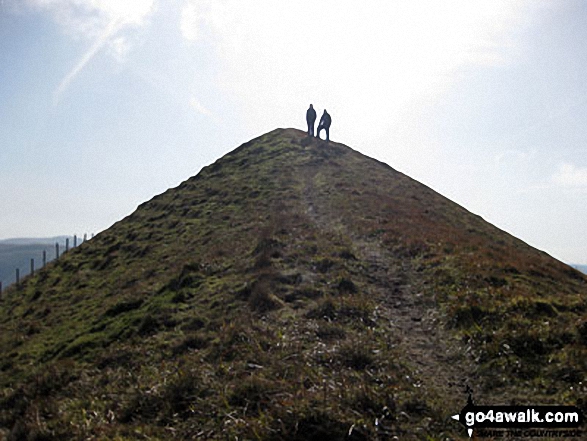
x=292, y=290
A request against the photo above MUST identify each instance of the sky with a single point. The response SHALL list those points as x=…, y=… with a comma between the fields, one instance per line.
x=106, y=103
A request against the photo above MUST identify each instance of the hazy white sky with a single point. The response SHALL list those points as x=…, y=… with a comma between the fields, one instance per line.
x=104, y=103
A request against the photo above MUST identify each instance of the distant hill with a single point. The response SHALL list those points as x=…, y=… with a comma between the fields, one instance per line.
x=17, y=253
x=582, y=268
x=292, y=290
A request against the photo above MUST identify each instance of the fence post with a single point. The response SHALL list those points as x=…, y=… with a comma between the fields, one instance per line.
x=17, y=276
x=56, y=250
x=74, y=240
x=67, y=244
x=44, y=258
x=32, y=266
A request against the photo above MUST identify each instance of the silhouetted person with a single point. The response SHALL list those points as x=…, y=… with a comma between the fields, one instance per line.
x=311, y=119
x=324, y=124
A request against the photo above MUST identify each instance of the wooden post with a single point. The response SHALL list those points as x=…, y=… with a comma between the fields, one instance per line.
x=32, y=266
x=67, y=244
x=17, y=276
x=74, y=240
x=56, y=250
x=44, y=258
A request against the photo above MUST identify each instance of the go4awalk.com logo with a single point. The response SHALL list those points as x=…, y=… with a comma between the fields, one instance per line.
x=518, y=417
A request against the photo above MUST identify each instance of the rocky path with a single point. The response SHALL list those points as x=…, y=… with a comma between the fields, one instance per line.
x=438, y=362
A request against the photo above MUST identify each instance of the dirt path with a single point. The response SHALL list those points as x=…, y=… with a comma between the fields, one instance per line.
x=439, y=364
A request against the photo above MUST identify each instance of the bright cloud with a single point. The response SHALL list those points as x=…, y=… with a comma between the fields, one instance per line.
x=505, y=157
x=199, y=107
x=569, y=175
x=191, y=17
x=88, y=16
x=107, y=23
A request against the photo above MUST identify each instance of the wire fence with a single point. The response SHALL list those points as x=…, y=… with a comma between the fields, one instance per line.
x=45, y=258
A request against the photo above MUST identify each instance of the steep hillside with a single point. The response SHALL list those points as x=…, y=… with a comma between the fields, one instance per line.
x=291, y=290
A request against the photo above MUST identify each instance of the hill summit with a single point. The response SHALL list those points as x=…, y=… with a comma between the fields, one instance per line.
x=292, y=290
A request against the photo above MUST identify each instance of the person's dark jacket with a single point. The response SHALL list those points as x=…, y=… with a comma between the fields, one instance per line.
x=311, y=115
x=325, y=120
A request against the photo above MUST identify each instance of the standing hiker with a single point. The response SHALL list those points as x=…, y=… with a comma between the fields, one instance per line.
x=311, y=119
x=324, y=124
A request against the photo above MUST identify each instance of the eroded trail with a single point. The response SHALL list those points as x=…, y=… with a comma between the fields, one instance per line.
x=439, y=364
